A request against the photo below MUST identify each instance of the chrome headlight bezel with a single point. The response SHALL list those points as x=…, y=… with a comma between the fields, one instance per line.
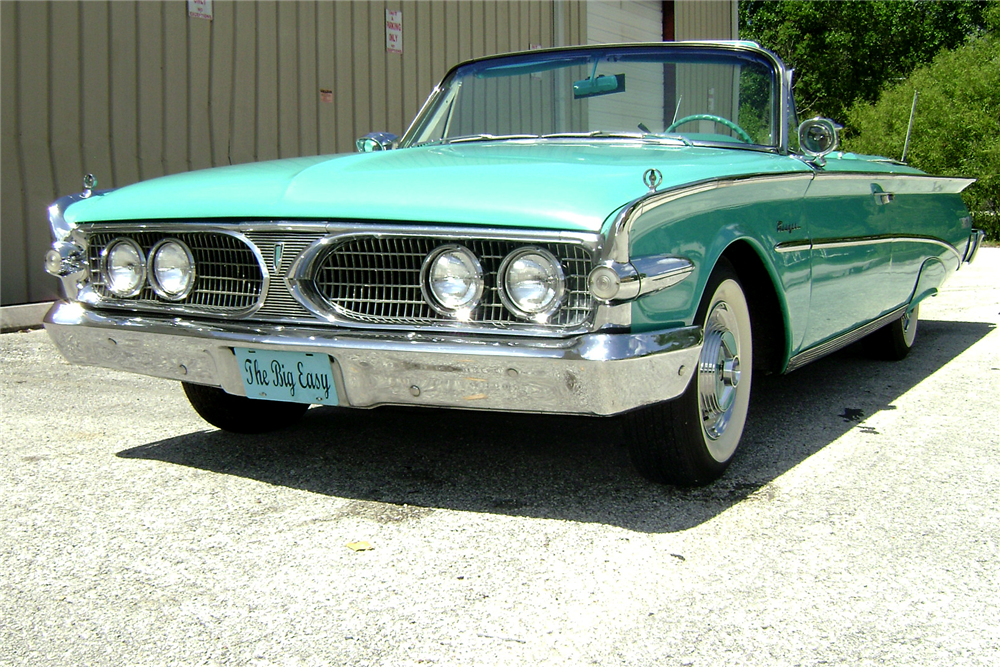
x=157, y=283
x=107, y=257
x=434, y=298
x=543, y=311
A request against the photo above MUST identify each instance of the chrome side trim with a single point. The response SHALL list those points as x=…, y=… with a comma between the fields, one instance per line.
x=618, y=242
x=793, y=246
x=660, y=272
x=843, y=340
x=852, y=242
x=902, y=184
x=600, y=373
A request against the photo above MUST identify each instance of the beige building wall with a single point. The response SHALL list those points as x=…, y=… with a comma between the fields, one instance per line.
x=133, y=90
x=705, y=19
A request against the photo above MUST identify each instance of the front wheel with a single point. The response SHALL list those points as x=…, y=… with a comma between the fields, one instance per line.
x=240, y=414
x=691, y=440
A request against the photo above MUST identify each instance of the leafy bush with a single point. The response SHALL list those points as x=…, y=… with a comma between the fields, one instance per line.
x=956, y=129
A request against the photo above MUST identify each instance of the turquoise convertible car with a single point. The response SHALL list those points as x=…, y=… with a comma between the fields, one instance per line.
x=632, y=230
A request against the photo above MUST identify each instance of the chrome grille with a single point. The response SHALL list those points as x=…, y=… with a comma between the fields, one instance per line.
x=228, y=276
x=279, y=303
x=377, y=280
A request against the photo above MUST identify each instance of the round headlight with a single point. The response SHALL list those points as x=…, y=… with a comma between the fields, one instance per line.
x=171, y=269
x=532, y=282
x=452, y=280
x=124, y=267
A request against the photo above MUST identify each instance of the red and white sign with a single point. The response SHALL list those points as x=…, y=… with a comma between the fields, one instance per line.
x=393, y=31
x=200, y=9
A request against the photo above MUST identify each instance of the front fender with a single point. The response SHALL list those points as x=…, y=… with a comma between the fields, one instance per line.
x=704, y=223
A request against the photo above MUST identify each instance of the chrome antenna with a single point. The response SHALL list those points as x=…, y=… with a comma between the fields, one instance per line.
x=909, y=128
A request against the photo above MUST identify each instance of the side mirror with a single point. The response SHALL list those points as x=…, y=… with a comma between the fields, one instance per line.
x=818, y=136
x=376, y=141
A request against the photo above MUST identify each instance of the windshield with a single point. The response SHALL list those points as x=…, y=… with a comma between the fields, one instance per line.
x=687, y=95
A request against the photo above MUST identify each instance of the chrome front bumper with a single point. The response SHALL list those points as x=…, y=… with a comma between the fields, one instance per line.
x=597, y=374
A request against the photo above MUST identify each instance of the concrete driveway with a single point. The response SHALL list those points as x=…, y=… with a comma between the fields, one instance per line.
x=859, y=524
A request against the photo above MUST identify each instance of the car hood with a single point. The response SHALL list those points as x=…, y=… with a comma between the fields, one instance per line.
x=564, y=185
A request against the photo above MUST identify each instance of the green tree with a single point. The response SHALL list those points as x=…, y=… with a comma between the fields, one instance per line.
x=956, y=129
x=846, y=51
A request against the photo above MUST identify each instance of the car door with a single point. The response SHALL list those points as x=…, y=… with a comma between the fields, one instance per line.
x=851, y=253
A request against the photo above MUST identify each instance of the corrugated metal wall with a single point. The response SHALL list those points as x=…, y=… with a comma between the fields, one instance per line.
x=133, y=90
x=706, y=19
x=633, y=21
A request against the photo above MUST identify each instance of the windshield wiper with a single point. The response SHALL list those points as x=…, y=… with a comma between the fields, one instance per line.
x=595, y=133
x=669, y=137
x=487, y=137
x=604, y=134
x=468, y=138
x=599, y=134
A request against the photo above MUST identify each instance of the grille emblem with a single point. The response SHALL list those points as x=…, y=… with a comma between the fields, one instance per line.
x=278, y=251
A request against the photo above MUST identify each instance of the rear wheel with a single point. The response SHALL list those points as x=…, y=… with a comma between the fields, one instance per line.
x=240, y=414
x=895, y=340
x=691, y=440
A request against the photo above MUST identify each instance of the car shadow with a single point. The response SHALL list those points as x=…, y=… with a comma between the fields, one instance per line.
x=564, y=468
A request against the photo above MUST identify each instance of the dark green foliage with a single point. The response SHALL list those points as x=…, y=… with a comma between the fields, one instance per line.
x=756, y=89
x=956, y=129
x=844, y=51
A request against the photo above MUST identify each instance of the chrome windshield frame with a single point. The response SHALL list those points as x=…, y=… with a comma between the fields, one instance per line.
x=782, y=82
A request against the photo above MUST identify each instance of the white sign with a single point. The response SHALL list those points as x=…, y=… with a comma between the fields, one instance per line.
x=200, y=9
x=393, y=31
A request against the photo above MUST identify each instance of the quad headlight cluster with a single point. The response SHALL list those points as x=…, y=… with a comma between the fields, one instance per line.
x=531, y=282
x=169, y=269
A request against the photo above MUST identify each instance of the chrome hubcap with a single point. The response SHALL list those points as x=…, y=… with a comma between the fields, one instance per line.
x=718, y=370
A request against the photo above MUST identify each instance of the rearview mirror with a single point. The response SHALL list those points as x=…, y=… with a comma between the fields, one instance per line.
x=818, y=136
x=376, y=141
x=601, y=85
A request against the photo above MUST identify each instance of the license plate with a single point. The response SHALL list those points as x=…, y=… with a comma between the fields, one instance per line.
x=297, y=377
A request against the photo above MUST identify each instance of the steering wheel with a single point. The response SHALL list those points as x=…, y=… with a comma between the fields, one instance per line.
x=717, y=119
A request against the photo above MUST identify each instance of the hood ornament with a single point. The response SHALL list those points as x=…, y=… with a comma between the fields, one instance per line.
x=652, y=178
x=89, y=183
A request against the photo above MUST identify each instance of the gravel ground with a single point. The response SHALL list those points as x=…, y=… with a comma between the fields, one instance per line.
x=859, y=524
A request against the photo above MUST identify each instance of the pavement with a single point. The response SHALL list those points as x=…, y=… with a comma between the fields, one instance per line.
x=858, y=525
